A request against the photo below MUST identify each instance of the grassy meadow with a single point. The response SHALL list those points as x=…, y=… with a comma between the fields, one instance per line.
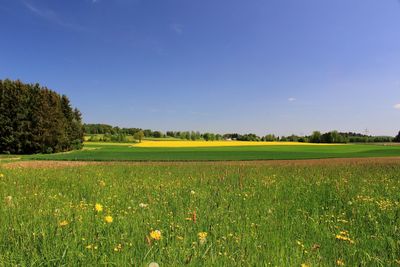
x=218, y=151
x=201, y=214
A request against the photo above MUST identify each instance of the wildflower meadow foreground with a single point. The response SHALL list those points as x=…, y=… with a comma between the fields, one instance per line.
x=201, y=214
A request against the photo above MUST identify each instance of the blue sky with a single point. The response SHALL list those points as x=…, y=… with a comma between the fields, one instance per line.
x=263, y=66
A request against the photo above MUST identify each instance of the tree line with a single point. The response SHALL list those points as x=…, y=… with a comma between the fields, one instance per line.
x=117, y=134
x=35, y=119
x=349, y=137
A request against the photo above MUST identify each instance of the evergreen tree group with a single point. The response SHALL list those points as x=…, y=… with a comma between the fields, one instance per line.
x=397, y=138
x=35, y=119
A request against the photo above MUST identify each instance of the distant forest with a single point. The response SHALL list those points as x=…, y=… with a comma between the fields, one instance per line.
x=35, y=119
x=105, y=132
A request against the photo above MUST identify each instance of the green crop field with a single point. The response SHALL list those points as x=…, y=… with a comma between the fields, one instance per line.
x=127, y=152
x=201, y=214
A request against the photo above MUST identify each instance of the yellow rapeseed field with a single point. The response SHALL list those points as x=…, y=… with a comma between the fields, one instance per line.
x=183, y=143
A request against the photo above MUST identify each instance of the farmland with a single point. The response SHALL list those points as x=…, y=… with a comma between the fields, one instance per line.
x=202, y=203
x=199, y=203
x=201, y=214
x=166, y=151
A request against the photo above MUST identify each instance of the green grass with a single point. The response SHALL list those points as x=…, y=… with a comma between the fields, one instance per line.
x=254, y=215
x=125, y=152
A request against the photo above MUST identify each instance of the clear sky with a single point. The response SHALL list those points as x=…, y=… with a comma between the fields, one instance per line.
x=262, y=66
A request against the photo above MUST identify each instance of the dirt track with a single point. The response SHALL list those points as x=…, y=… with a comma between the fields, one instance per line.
x=37, y=164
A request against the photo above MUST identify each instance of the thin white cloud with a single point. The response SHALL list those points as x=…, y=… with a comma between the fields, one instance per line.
x=177, y=28
x=397, y=106
x=52, y=16
x=291, y=99
x=44, y=13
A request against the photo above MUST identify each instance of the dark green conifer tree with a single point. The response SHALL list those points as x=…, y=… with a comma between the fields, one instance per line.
x=34, y=119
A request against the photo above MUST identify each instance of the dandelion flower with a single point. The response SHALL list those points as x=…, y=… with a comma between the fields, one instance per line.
x=1, y=175
x=305, y=265
x=98, y=207
x=156, y=234
x=108, y=219
x=202, y=237
x=63, y=223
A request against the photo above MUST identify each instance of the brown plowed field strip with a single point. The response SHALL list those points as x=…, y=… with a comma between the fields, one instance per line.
x=40, y=164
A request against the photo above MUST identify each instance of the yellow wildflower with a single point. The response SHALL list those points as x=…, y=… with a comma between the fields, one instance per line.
x=1, y=175
x=340, y=262
x=385, y=204
x=108, y=219
x=118, y=248
x=91, y=246
x=156, y=235
x=300, y=243
x=202, y=237
x=305, y=265
x=344, y=236
x=102, y=183
x=98, y=207
x=63, y=223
